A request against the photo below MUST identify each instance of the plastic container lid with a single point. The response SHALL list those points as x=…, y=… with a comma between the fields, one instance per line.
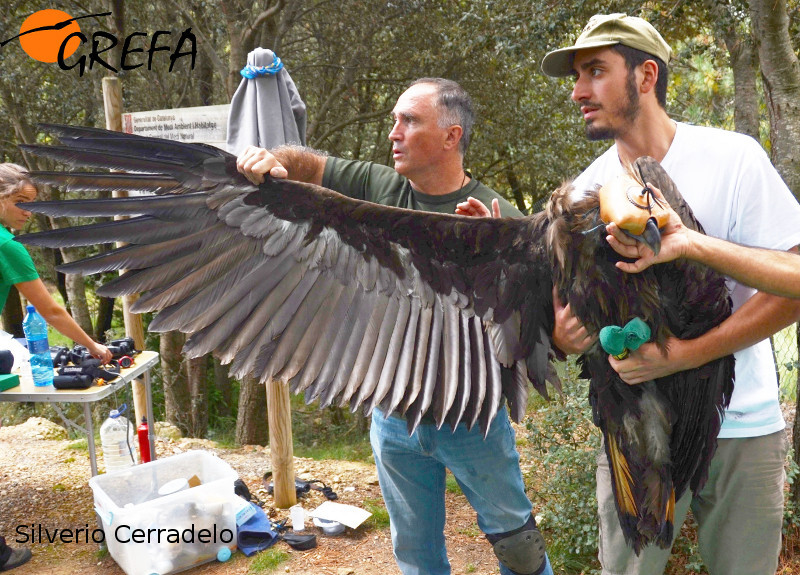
x=328, y=526
x=173, y=486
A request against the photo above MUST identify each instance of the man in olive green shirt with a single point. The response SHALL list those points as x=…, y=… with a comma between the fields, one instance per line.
x=433, y=123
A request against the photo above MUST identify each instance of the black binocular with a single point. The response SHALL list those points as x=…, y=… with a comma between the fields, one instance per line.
x=121, y=350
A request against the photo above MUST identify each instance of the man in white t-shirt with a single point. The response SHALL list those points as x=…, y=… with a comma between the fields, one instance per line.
x=620, y=69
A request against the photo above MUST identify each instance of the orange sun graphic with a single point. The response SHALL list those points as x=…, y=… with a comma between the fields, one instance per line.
x=43, y=45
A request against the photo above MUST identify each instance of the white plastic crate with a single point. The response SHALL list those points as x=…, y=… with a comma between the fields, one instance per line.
x=150, y=528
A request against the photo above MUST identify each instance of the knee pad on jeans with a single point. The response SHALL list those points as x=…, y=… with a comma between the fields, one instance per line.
x=521, y=550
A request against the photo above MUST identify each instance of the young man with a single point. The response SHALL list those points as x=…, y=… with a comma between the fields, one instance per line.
x=619, y=66
x=433, y=124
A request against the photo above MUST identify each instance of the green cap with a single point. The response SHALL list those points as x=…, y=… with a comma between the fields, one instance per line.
x=608, y=30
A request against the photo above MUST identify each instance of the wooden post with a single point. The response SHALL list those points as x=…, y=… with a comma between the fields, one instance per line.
x=281, y=451
x=112, y=102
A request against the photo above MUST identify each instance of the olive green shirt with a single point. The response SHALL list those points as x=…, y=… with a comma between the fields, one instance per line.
x=382, y=185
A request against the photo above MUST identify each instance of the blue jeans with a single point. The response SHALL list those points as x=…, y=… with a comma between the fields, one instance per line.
x=411, y=471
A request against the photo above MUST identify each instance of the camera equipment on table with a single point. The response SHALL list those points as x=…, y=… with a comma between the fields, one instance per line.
x=121, y=350
x=77, y=369
x=83, y=375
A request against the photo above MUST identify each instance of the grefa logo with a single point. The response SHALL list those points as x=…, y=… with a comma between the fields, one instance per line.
x=53, y=36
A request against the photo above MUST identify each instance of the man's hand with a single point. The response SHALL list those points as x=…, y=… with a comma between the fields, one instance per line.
x=569, y=334
x=675, y=240
x=648, y=363
x=477, y=209
x=255, y=162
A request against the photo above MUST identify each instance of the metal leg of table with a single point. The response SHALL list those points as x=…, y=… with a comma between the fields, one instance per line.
x=87, y=415
x=151, y=425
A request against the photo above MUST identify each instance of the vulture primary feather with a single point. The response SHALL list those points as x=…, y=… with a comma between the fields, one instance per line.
x=361, y=305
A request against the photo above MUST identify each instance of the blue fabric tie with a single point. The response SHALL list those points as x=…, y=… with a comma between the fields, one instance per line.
x=251, y=72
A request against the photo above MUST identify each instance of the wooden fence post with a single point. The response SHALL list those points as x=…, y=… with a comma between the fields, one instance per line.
x=112, y=102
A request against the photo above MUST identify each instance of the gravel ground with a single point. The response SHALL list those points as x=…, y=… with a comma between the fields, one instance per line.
x=45, y=482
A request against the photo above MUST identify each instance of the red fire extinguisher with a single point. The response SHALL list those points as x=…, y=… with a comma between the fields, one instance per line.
x=144, y=440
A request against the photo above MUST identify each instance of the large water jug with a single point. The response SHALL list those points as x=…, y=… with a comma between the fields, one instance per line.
x=35, y=329
x=116, y=437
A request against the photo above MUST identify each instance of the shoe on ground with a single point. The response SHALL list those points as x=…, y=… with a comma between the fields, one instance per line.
x=18, y=557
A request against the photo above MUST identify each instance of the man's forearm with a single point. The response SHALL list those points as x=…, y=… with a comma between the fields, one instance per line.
x=302, y=164
x=757, y=319
x=766, y=270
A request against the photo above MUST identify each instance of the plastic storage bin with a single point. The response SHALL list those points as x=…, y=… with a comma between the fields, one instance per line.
x=153, y=527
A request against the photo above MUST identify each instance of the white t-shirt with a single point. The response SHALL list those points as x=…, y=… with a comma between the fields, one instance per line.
x=737, y=195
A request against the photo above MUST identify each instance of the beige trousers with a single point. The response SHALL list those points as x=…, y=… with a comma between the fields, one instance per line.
x=739, y=513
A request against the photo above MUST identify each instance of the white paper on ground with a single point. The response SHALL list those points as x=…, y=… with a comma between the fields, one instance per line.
x=349, y=515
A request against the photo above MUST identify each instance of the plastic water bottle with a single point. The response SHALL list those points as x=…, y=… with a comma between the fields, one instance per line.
x=35, y=329
x=116, y=437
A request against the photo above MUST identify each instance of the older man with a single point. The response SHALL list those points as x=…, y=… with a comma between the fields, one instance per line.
x=432, y=126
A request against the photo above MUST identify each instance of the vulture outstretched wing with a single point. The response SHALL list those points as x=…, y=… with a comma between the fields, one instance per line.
x=659, y=436
x=350, y=302
x=364, y=305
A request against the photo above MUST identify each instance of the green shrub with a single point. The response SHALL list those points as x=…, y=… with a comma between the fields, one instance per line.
x=562, y=444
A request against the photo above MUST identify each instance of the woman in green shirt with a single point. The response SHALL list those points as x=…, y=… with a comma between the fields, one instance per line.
x=16, y=266
x=17, y=269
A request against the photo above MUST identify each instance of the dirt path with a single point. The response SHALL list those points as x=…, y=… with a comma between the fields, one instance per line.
x=44, y=482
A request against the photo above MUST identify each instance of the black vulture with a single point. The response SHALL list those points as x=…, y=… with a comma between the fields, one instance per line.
x=659, y=436
x=364, y=305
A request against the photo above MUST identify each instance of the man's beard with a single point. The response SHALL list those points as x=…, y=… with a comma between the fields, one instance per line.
x=628, y=113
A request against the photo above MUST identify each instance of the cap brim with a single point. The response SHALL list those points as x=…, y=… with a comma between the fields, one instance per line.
x=558, y=63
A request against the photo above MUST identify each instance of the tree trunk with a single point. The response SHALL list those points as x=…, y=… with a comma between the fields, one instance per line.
x=780, y=70
x=105, y=314
x=176, y=388
x=198, y=392
x=743, y=63
x=78, y=308
x=516, y=189
x=251, y=418
x=205, y=73
x=225, y=387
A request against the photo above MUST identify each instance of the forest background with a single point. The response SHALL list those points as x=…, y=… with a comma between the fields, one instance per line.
x=736, y=67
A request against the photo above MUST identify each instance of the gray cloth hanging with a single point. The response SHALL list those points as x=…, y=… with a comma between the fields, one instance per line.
x=266, y=111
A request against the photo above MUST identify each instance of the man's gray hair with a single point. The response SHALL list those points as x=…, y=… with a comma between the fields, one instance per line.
x=455, y=107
